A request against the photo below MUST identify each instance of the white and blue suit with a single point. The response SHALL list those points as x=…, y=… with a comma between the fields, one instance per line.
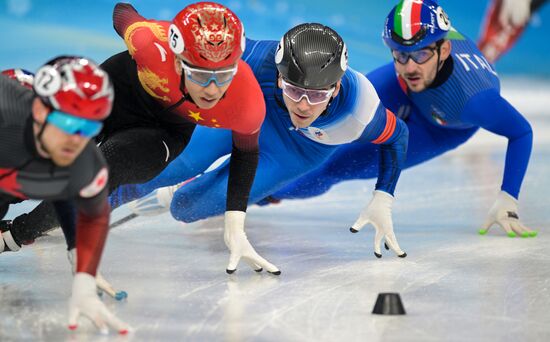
x=286, y=153
x=464, y=97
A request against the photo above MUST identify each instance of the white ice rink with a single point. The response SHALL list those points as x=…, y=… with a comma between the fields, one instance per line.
x=455, y=284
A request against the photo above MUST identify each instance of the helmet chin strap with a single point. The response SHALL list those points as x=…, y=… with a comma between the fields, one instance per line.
x=328, y=105
x=439, y=61
x=39, y=135
x=183, y=90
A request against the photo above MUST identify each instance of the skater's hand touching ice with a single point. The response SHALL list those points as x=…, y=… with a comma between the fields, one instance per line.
x=378, y=213
x=504, y=212
x=85, y=301
x=239, y=246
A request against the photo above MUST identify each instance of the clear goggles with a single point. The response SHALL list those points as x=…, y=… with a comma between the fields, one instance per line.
x=71, y=124
x=313, y=96
x=203, y=77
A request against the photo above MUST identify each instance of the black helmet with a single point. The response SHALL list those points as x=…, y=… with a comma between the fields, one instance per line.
x=312, y=56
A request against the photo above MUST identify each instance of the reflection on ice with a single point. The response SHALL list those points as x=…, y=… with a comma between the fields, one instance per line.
x=455, y=284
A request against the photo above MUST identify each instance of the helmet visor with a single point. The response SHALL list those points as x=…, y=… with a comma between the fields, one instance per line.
x=71, y=124
x=313, y=96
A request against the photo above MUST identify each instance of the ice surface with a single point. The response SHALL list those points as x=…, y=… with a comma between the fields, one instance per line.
x=455, y=284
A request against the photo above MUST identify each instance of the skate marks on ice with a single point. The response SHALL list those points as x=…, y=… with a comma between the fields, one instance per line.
x=455, y=284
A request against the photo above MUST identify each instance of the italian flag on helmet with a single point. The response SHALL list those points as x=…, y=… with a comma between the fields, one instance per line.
x=414, y=24
x=407, y=19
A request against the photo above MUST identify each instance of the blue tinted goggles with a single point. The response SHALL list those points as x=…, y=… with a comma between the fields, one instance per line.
x=71, y=124
x=203, y=77
x=418, y=56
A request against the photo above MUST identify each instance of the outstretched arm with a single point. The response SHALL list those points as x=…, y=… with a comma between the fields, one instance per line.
x=242, y=170
x=392, y=134
x=125, y=15
x=92, y=228
x=492, y=112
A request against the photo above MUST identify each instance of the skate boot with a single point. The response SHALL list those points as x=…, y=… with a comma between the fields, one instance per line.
x=156, y=202
x=7, y=242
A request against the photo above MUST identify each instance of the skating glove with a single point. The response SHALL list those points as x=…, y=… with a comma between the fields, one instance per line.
x=378, y=213
x=505, y=213
x=239, y=246
x=85, y=301
x=514, y=12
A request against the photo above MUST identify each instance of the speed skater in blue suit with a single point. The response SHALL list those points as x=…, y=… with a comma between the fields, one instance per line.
x=314, y=104
x=445, y=90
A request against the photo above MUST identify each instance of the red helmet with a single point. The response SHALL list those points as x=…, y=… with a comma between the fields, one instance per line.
x=24, y=77
x=207, y=35
x=76, y=86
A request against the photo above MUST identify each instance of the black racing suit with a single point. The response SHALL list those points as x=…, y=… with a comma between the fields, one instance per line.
x=138, y=140
x=25, y=174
